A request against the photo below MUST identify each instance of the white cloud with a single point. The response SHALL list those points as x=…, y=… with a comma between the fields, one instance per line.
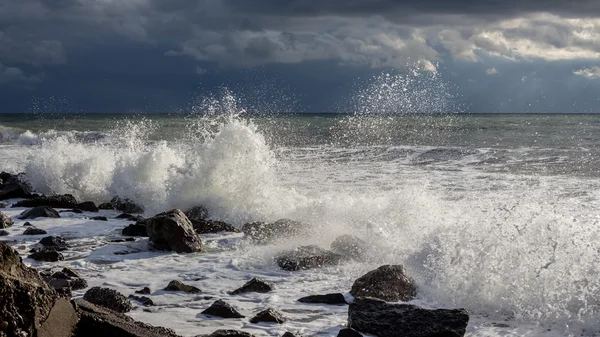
x=592, y=73
x=492, y=71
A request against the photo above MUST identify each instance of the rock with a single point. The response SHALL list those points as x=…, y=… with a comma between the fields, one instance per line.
x=146, y=301
x=106, y=205
x=336, y=298
x=55, y=242
x=5, y=221
x=64, y=281
x=197, y=213
x=108, y=298
x=126, y=205
x=99, y=218
x=269, y=315
x=27, y=224
x=173, y=231
x=255, y=285
x=144, y=291
x=2, y=205
x=61, y=286
x=124, y=216
x=349, y=333
x=54, y=201
x=122, y=240
x=289, y=334
x=221, y=309
x=262, y=233
x=350, y=246
x=212, y=226
x=96, y=321
x=26, y=300
x=88, y=206
x=39, y=212
x=180, y=286
x=78, y=283
x=388, y=283
x=77, y=211
x=135, y=230
x=70, y=272
x=379, y=318
x=14, y=186
x=306, y=257
x=228, y=333
x=4, y=233
x=47, y=256
x=61, y=322
x=34, y=231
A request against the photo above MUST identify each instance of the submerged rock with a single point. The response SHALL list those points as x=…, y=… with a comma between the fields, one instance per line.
x=350, y=246
x=39, y=212
x=336, y=298
x=228, y=333
x=172, y=230
x=126, y=205
x=99, y=218
x=307, y=257
x=379, y=318
x=202, y=226
x=34, y=231
x=54, y=201
x=269, y=315
x=255, y=285
x=261, y=232
x=180, y=286
x=88, y=206
x=108, y=298
x=47, y=256
x=76, y=211
x=144, y=291
x=222, y=309
x=146, y=301
x=135, y=230
x=5, y=221
x=124, y=216
x=388, y=283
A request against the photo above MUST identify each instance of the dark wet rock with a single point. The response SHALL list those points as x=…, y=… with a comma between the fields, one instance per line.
x=99, y=218
x=269, y=315
x=14, y=186
x=5, y=221
x=172, y=230
x=388, y=283
x=197, y=213
x=27, y=224
x=55, y=242
x=70, y=272
x=261, y=232
x=54, y=201
x=39, y=212
x=122, y=240
x=228, y=333
x=96, y=321
x=126, y=205
x=61, y=286
x=222, y=309
x=146, y=301
x=212, y=226
x=25, y=299
x=2, y=205
x=78, y=283
x=124, y=216
x=336, y=298
x=307, y=257
x=88, y=206
x=180, y=286
x=144, y=291
x=108, y=298
x=350, y=246
x=135, y=230
x=77, y=211
x=47, y=256
x=4, y=233
x=106, y=205
x=350, y=333
x=289, y=334
x=379, y=318
x=255, y=285
x=61, y=321
x=34, y=231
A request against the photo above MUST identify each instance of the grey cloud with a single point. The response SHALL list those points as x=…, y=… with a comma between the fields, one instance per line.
x=14, y=75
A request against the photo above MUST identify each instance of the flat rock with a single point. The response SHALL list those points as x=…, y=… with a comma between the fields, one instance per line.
x=39, y=212
x=34, y=231
x=5, y=221
x=180, y=286
x=202, y=226
x=88, y=206
x=255, y=285
x=228, y=333
x=222, y=309
x=269, y=315
x=146, y=301
x=108, y=298
x=61, y=322
x=349, y=333
x=350, y=246
x=335, y=298
x=172, y=230
x=54, y=201
x=135, y=230
x=126, y=205
x=388, y=283
x=262, y=233
x=47, y=256
x=380, y=318
x=307, y=257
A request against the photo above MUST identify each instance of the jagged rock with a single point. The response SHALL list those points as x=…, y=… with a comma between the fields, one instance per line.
x=54, y=201
x=379, y=318
x=202, y=226
x=106, y=205
x=4, y=233
x=262, y=233
x=180, y=286
x=144, y=291
x=96, y=321
x=350, y=246
x=135, y=230
x=126, y=205
x=197, y=213
x=55, y=242
x=34, y=231
x=349, y=333
x=88, y=206
x=228, y=333
x=108, y=298
x=26, y=300
x=388, y=283
x=222, y=309
x=99, y=218
x=336, y=298
x=5, y=221
x=77, y=211
x=61, y=321
x=269, y=315
x=47, y=256
x=306, y=257
x=14, y=186
x=146, y=301
x=39, y=212
x=255, y=285
x=172, y=230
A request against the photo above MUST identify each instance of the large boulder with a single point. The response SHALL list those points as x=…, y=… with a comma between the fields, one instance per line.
x=383, y=319
x=26, y=300
x=350, y=246
x=306, y=257
x=172, y=230
x=54, y=201
x=255, y=285
x=108, y=298
x=262, y=233
x=126, y=205
x=202, y=226
x=5, y=221
x=388, y=283
x=39, y=212
x=222, y=309
x=61, y=321
x=14, y=186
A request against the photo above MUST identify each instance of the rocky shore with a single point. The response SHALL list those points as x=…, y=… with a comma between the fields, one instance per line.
x=55, y=300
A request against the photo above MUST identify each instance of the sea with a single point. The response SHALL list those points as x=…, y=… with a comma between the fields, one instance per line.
x=495, y=213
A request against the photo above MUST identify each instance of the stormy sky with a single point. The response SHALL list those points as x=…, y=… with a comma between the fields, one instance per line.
x=297, y=55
